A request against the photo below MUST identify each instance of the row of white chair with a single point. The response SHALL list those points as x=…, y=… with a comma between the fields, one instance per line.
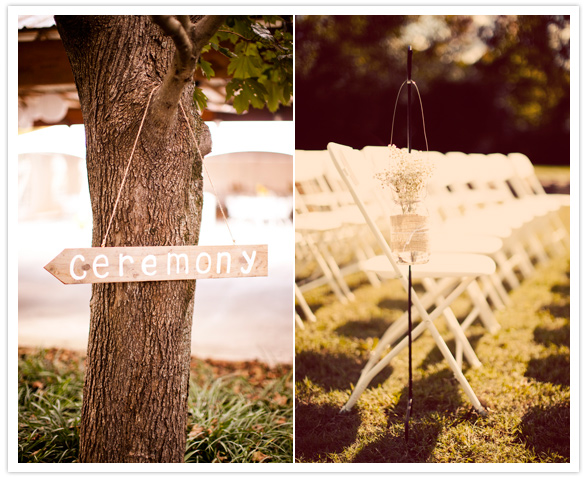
x=491, y=223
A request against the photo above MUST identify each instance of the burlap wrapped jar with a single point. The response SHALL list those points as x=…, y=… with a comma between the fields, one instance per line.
x=410, y=232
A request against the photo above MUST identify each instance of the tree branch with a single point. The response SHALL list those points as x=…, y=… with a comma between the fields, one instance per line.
x=189, y=39
x=206, y=28
x=184, y=64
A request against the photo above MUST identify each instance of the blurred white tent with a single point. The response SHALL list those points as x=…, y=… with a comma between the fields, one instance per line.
x=227, y=137
x=248, y=158
x=68, y=140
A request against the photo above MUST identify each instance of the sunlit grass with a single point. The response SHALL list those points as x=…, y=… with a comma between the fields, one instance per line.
x=524, y=381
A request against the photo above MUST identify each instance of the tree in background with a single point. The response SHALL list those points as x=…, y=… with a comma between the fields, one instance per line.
x=488, y=84
x=137, y=368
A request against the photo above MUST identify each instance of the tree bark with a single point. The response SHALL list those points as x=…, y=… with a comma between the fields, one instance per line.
x=138, y=357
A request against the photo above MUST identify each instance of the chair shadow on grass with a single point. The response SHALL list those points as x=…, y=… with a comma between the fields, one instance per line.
x=556, y=367
x=339, y=370
x=333, y=371
x=546, y=430
x=363, y=329
x=434, y=397
x=560, y=336
x=322, y=430
x=373, y=327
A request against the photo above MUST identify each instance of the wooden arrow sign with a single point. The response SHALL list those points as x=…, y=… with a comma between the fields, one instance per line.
x=140, y=264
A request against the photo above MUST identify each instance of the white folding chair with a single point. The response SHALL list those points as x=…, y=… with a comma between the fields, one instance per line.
x=323, y=223
x=466, y=207
x=376, y=158
x=454, y=273
x=529, y=190
x=461, y=238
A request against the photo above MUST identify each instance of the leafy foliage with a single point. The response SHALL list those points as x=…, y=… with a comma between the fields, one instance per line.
x=232, y=420
x=488, y=83
x=237, y=412
x=49, y=404
x=260, y=50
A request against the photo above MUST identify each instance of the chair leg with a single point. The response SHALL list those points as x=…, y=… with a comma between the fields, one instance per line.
x=463, y=345
x=299, y=322
x=458, y=373
x=304, y=304
x=336, y=272
x=503, y=294
x=417, y=331
x=371, y=369
x=366, y=378
x=326, y=271
x=506, y=270
x=485, y=313
x=525, y=263
x=400, y=326
x=492, y=292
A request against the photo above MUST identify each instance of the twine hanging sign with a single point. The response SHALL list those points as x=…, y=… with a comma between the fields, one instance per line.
x=140, y=264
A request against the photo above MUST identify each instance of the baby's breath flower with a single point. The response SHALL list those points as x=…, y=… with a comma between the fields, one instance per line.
x=408, y=173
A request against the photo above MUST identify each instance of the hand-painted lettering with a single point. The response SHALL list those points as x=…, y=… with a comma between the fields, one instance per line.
x=71, y=268
x=121, y=259
x=250, y=262
x=153, y=263
x=101, y=261
x=219, y=261
x=150, y=261
x=177, y=258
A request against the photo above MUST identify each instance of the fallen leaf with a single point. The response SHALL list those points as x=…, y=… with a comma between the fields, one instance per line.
x=258, y=456
x=196, y=431
x=280, y=399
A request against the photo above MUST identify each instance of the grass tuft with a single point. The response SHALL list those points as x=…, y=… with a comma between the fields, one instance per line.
x=49, y=403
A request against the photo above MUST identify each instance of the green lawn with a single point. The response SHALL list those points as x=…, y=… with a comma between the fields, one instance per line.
x=524, y=381
x=553, y=173
x=238, y=412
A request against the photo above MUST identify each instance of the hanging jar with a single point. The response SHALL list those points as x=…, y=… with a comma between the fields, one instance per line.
x=406, y=177
x=410, y=230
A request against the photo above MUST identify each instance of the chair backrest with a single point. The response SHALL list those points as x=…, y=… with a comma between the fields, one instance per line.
x=351, y=165
x=311, y=188
x=526, y=173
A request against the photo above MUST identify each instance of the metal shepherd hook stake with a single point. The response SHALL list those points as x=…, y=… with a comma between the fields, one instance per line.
x=409, y=408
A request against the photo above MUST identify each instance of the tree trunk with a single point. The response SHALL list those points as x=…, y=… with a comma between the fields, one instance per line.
x=137, y=370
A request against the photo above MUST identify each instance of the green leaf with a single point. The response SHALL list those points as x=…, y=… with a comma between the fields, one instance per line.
x=260, y=49
x=232, y=86
x=245, y=67
x=206, y=68
x=258, y=93
x=252, y=50
x=249, y=92
x=200, y=99
x=241, y=102
x=274, y=96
